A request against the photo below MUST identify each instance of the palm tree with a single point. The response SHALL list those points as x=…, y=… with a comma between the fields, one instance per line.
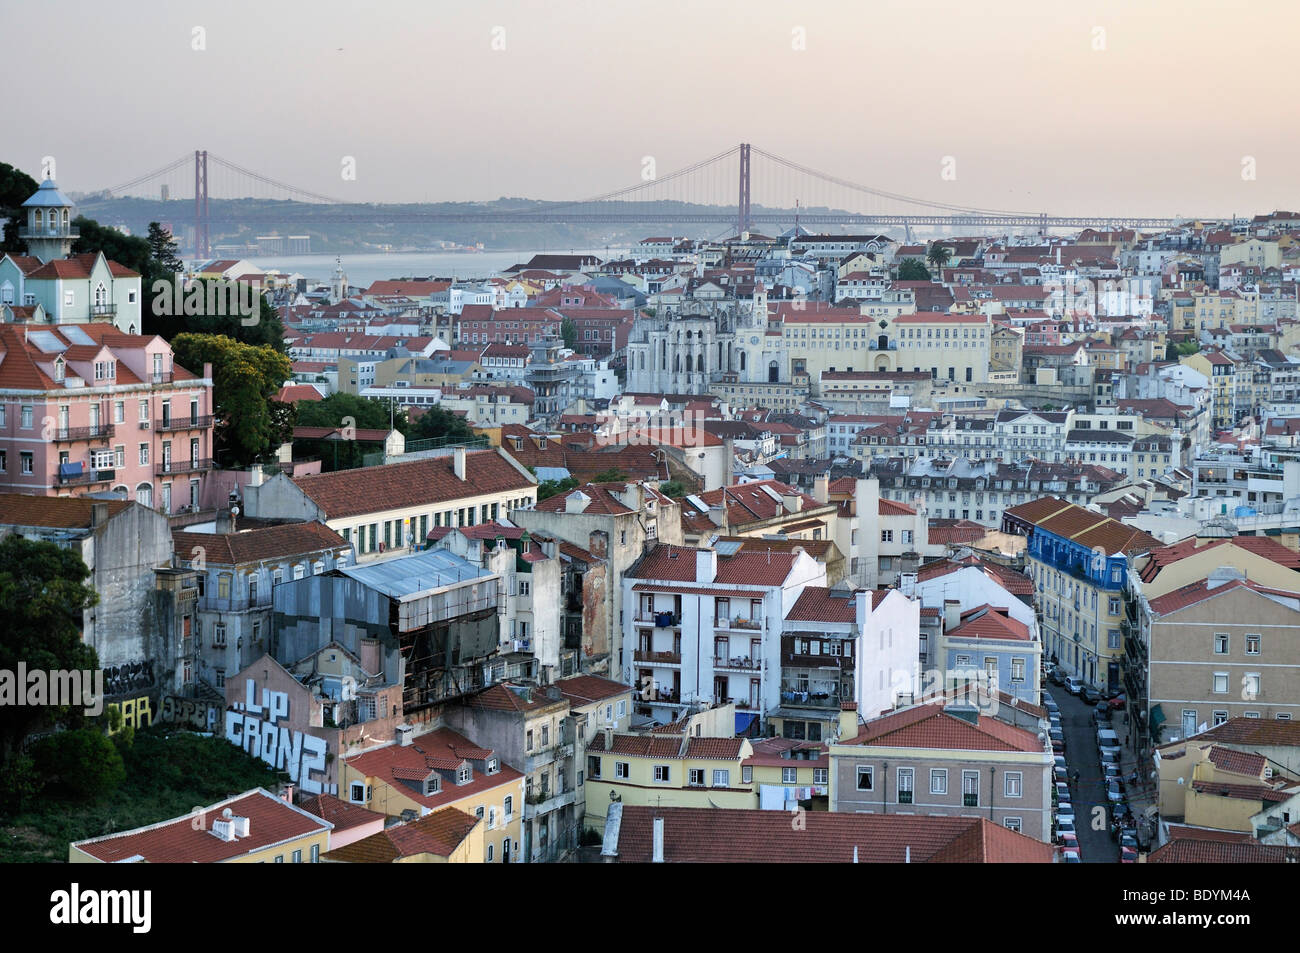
x=938, y=256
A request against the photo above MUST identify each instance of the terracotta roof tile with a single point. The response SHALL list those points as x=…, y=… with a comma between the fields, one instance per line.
x=584, y=689
x=256, y=545
x=820, y=604
x=61, y=512
x=439, y=834
x=929, y=726
x=341, y=814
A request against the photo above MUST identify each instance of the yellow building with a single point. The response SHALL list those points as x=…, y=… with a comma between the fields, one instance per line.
x=1222, y=373
x=668, y=770
x=1209, y=785
x=255, y=827
x=438, y=770
x=448, y=836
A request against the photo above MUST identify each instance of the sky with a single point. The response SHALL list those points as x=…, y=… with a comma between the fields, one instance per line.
x=1143, y=107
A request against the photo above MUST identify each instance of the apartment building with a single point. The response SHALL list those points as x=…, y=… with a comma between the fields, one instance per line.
x=954, y=762
x=390, y=508
x=704, y=625
x=1078, y=562
x=88, y=409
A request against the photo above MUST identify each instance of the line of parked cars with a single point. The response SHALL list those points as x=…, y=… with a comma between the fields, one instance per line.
x=1067, y=836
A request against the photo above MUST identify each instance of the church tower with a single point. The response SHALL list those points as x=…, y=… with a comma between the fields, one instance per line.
x=49, y=233
x=339, y=284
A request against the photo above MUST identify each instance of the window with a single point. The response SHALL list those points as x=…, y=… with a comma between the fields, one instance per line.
x=144, y=454
x=621, y=769
x=789, y=775
x=144, y=411
x=906, y=777
x=1017, y=669
x=1218, y=717
x=1013, y=781
x=297, y=856
x=27, y=418
x=886, y=535
x=970, y=789
x=478, y=812
x=721, y=778
x=1012, y=824
x=1220, y=643
x=357, y=793
x=593, y=766
x=819, y=775
x=219, y=635
x=489, y=852
x=866, y=778
x=1113, y=606
x=694, y=777
x=1220, y=683
x=315, y=853
x=528, y=740
x=119, y=411
x=746, y=774
x=546, y=736
x=464, y=775
x=223, y=586
x=1250, y=686
x=661, y=773
x=1252, y=644
x=26, y=459
x=938, y=780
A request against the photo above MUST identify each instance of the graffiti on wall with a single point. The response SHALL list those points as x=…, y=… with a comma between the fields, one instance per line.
x=191, y=712
x=131, y=677
x=257, y=727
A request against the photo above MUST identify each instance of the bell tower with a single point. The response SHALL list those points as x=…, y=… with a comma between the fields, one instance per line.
x=339, y=284
x=48, y=231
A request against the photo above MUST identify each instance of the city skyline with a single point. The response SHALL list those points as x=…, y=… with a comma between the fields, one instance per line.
x=1083, y=113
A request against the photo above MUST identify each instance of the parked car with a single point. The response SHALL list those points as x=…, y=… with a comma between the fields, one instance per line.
x=1065, y=825
x=1069, y=840
x=1114, y=792
x=1062, y=791
x=1070, y=857
x=1064, y=809
x=1109, y=770
x=1056, y=676
x=1074, y=685
x=1060, y=761
x=1052, y=708
x=1119, y=702
x=1109, y=756
x=1101, y=714
x=1128, y=838
x=1107, y=740
x=1128, y=855
x=1109, y=693
x=1060, y=773
x=1090, y=695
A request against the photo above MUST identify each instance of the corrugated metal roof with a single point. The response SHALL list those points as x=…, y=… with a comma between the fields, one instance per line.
x=408, y=575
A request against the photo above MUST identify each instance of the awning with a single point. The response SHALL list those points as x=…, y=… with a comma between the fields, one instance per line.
x=1157, y=717
x=743, y=720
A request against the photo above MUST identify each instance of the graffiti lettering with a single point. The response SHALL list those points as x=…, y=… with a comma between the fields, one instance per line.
x=254, y=728
x=203, y=715
x=133, y=676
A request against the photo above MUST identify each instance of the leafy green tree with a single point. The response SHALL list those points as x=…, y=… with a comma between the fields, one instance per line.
x=83, y=762
x=569, y=331
x=938, y=256
x=43, y=593
x=342, y=410
x=549, y=488
x=20, y=782
x=245, y=379
x=267, y=329
x=16, y=187
x=612, y=475
x=674, y=488
x=438, y=422
x=911, y=269
x=163, y=249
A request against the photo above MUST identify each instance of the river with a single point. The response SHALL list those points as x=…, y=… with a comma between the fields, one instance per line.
x=362, y=270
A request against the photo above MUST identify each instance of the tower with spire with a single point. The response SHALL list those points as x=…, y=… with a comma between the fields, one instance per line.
x=48, y=232
x=339, y=283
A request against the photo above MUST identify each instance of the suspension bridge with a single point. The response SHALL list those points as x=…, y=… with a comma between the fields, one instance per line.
x=743, y=188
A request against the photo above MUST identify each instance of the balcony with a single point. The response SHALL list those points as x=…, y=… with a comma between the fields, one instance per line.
x=657, y=658
x=742, y=704
x=71, y=434
x=810, y=699
x=161, y=377
x=85, y=477
x=544, y=803
x=737, y=664
x=180, y=423
x=50, y=231
x=103, y=310
x=739, y=622
x=182, y=466
x=659, y=620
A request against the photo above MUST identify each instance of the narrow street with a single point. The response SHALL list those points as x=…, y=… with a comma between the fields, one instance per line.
x=1093, y=825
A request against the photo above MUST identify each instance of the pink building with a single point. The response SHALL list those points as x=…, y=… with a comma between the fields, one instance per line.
x=86, y=409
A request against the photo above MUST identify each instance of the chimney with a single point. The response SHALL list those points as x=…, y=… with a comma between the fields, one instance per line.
x=706, y=565
x=793, y=502
x=609, y=739
x=458, y=462
x=98, y=515
x=822, y=488
x=951, y=614
x=658, y=857
x=576, y=502
x=371, y=663
x=403, y=733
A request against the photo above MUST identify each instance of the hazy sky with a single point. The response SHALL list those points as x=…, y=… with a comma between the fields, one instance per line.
x=1075, y=108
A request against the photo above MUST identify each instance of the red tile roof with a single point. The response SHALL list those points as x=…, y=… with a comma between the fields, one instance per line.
x=894, y=508
x=54, y=512
x=441, y=749
x=584, y=689
x=341, y=814
x=1238, y=762
x=987, y=622
x=439, y=834
x=1259, y=545
x=744, y=568
x=503, y=698
x=256, y=545
x=423, y=482
x=1083, y=526
x=820, y=604
x=711, y=835
x=1255, y=732
x=189, y=839
x=929, y=726
x=1200, y=591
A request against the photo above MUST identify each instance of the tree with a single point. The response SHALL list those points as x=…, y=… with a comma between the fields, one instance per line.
x=163, y=249
x=612, y=475
x=674, y=488
x=549, y=488
x=938, y=256
x=911, y=269
x=439, y=423
x=245, y=379
x=84, y=762
x=344, y=410
x=137, y=254
x=569, y=331
x=16, y=187
x=43, y=594
x=222, y=312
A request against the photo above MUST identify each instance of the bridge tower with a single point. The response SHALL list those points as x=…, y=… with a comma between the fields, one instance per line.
x=742, y=216
x=202, y=247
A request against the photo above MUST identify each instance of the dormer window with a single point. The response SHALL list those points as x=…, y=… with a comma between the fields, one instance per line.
x=432, y=785
x=492, y=766
x=58, y=368
x=464, y=775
